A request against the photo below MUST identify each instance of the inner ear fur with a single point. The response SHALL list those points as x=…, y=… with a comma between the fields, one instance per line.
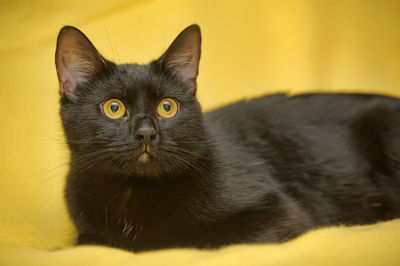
x=77, y=60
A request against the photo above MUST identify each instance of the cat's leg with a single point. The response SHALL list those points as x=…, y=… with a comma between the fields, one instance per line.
x=286, y=222
x=276, y=219
x=376, y=137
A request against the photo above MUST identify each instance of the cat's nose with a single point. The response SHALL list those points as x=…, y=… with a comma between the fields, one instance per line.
x=146, y=133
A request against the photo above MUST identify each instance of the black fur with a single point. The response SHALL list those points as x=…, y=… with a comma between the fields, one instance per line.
x=264, y=170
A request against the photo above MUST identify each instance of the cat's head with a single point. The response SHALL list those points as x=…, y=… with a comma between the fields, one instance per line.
x=130, y=119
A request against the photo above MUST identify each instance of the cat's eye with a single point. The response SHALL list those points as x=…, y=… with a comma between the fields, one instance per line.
x=114, y=109
x=167, y=108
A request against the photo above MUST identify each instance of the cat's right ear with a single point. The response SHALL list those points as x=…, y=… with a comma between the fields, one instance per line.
x=77, y=61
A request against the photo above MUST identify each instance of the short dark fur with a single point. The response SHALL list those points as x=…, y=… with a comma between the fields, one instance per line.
x=264, y=170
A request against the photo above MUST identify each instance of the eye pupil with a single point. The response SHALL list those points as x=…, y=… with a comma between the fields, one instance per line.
x=167, y=106
x=114, y=107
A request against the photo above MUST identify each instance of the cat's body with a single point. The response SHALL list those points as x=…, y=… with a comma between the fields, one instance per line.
x=336, y=155
x=265, y=170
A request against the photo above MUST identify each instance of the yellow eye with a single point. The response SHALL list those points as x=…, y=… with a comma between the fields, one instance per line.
x=167, y=108
x=114, y=109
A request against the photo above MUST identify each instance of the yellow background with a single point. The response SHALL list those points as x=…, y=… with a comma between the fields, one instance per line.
x=249, y=48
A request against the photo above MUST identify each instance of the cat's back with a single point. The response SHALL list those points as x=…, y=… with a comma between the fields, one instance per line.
x=308, y=116
x=326, y=150
x=305, y=109
x=325, y=126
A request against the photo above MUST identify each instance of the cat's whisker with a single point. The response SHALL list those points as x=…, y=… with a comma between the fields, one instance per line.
x=92, y=164
x=54, y=172
x=185, y=163
x=189, y=152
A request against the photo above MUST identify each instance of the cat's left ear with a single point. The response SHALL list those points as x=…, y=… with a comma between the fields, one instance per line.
x=183, y=56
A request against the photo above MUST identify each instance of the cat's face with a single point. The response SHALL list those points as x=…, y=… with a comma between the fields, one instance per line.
x=141, y=120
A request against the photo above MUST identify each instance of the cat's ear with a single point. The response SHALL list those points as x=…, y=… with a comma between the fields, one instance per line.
x=183, y=56
x=77, y=60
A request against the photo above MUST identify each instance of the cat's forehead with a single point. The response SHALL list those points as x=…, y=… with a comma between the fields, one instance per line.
x=135, y=80
x=134, y=71
x=134, y=76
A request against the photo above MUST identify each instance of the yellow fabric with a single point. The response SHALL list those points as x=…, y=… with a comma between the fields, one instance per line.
x=249, y=48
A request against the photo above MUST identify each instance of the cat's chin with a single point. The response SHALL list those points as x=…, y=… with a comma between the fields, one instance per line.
x=149, y=170
x=144, y=158
x=145, y=165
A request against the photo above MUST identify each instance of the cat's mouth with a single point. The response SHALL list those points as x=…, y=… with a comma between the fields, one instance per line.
x=145, y=155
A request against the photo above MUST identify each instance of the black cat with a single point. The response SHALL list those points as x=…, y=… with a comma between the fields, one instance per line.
x=148, y=171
